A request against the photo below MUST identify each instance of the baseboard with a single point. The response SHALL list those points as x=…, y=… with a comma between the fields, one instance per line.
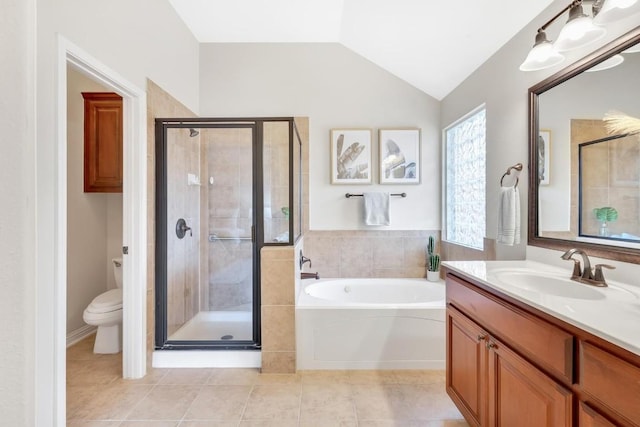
x=80, y=334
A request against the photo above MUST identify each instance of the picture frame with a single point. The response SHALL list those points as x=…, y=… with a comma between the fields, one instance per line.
x=350, y=156
x=400, y=156
x=544, y=156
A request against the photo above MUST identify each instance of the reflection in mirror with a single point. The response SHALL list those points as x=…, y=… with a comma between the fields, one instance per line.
x=567, y=112
x=608, y=187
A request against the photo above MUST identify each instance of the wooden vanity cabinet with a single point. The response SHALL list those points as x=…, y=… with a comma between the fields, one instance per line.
x=103, y=134
x=510, y=366
x=467, y=367
x=492, y=385
x=588, y=417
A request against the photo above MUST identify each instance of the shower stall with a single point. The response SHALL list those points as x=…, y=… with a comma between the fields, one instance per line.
x=224, y=189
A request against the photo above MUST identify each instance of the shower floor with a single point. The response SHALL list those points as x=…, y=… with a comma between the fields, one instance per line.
x=214, y=325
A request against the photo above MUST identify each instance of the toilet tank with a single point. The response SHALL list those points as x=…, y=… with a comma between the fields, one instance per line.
x=117, y=271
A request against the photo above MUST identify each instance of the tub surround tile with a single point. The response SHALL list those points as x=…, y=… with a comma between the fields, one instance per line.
x=283, y=362
x=276, y=282
x=280, y=333
x=369, y=253
x=278, y=288
x=389, y=255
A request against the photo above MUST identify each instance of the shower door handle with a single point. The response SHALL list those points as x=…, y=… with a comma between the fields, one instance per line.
x=182, y=228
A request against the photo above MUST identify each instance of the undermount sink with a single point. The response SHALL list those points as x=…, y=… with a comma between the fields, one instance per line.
x=549, y=284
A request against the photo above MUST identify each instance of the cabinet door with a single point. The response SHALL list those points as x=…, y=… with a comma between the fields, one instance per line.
x=466, y=366
x=590, y=418
x=102, y=142
x=521, y=395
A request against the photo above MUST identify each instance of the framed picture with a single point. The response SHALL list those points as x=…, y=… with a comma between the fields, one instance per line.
x=544, y=156
x=351, y=156
x=399, y=156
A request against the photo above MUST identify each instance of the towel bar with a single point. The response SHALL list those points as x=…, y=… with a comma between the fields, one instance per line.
x=349, y=195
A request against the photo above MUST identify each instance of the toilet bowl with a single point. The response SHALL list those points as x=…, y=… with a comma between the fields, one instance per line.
x=105, y=312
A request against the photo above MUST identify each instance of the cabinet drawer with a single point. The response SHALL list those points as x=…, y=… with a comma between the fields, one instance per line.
x=610, y=381
x=542, y=343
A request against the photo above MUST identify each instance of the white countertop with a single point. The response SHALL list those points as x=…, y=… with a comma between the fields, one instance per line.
x=613, y=316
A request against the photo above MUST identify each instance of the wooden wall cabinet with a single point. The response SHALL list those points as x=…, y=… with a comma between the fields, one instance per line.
x=510, y=365
x=103, y=133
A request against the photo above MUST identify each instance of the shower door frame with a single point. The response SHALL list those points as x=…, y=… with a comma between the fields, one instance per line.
x=161, y=341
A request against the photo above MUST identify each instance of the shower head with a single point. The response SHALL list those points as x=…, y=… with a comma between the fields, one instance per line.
x=193, y=132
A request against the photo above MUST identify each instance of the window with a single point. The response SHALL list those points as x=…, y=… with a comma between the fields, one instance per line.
x=465, y=165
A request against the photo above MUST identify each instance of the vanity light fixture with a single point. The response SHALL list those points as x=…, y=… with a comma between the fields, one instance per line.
x=608, y=11
x=577, y=32
x=542, y=55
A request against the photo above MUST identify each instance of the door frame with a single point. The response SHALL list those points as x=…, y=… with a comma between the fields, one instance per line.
x=53, y=319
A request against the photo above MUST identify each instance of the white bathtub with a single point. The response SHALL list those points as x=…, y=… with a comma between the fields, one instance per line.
x=370, y=324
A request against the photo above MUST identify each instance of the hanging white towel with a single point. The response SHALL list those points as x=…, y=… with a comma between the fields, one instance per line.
x=376, y=208
x=509, y=216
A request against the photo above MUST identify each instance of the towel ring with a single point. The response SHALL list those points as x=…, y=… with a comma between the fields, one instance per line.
x=518, y=167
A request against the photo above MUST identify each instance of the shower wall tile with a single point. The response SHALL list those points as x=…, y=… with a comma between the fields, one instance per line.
x=159, y=104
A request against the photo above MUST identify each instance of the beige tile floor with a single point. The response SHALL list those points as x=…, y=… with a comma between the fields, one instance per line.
x=98, y=396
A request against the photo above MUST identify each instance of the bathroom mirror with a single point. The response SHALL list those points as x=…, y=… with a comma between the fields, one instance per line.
x=566, y=113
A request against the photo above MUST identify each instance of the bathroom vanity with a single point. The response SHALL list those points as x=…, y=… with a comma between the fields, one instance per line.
x=528, y=347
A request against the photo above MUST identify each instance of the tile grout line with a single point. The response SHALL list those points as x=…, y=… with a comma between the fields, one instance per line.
x=246, y=403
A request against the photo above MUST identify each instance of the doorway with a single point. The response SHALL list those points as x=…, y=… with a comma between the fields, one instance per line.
x=51, y=299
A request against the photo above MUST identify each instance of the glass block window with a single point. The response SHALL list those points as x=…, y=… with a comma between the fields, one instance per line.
x=465, y=155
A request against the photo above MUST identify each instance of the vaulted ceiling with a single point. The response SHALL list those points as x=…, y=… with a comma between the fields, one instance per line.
x=433, y=45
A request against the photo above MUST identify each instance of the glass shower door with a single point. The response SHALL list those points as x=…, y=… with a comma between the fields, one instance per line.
x=209, y=236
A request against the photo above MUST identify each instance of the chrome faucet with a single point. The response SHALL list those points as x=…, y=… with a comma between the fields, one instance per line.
x=586, y=275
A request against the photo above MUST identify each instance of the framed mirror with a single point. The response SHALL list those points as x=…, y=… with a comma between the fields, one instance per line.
x=596, y=208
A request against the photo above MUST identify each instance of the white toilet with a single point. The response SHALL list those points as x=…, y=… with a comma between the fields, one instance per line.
x=105, y=312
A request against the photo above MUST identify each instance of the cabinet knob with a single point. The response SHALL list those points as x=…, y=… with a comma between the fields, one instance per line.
x=482, y=337
x=491, y=345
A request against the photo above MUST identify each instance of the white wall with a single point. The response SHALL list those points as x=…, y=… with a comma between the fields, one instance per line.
x=138, y=40
x=94, y=221
x=335, y=88
x=17, y=213
x=503, y=87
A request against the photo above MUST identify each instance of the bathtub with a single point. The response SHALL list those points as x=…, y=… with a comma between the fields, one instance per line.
x=370, y=324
